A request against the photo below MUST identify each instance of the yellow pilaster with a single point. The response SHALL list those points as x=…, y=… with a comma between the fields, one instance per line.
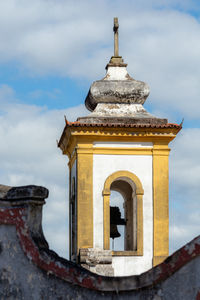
x=84, y=197
x=160, y=203
x=140, y=223
x=106, y=214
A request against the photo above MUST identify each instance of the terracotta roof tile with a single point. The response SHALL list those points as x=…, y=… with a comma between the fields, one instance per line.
x=122, y=125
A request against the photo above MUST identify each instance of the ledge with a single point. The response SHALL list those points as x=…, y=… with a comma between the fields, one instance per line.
x=27, y=192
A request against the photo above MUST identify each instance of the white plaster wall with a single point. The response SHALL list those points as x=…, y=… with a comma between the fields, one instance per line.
x=140, y=165
x=116, y=73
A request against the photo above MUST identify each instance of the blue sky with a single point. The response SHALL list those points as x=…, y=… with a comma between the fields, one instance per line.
x=50, y=53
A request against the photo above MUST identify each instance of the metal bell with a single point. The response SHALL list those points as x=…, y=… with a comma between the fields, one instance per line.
x=114, y=233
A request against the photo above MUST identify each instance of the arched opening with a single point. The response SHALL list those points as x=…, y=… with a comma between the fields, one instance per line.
x=127, y=223
x=123, y=213
x=117, y=221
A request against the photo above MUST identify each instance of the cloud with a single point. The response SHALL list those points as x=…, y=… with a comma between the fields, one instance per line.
x=186, y=161
x=37, y=94
x=184, y=187
x=159, y=40
x=29, y=155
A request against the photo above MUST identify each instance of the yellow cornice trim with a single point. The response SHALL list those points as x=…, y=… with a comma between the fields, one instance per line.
x=114, y=134
x=82, y=142
x=161, y=152
x=84, y=148
x=126, y=134
x=84, y=145
x=116, y=151
x=123, y=151
x=89, y=149
x=84, y=151
x=122, y=138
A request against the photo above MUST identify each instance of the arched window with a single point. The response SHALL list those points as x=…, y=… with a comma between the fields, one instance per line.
x=130, y=216
x=117, y=221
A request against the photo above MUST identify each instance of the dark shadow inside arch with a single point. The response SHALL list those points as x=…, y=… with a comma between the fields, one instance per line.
x=123, y=196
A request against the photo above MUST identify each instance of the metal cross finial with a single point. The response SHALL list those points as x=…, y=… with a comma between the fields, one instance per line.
x=116, y=43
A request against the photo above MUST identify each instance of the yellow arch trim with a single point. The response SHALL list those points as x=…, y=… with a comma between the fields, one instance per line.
x=106, y=202
x=118, y=174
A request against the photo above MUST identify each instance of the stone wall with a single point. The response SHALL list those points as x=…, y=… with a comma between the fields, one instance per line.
x=97, y=260
x=30, y=270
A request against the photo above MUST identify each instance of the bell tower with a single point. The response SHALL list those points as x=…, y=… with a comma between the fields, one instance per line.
x=118, y=147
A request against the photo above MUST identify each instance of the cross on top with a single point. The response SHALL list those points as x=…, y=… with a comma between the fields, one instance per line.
x=116, y=42
x=116, y=60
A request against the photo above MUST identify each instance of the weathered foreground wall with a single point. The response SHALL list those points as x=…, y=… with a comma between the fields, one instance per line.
x=29, y=270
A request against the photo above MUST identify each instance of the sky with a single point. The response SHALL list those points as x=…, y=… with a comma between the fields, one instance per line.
x=50, y=53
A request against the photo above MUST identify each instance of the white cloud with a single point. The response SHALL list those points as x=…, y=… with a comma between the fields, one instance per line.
x=185, y=158
x=29, y=155
x=50, y=94
x=185, y=187
x=159, y=40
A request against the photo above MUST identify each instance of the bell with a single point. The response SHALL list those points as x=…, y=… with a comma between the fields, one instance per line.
x=115, y=216
x=114, y=233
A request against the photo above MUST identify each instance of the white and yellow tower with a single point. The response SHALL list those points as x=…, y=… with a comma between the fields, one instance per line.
x=118, y=147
